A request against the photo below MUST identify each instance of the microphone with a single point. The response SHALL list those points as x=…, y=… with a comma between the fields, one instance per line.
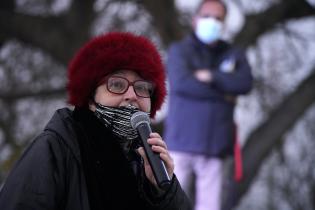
x=141, y=122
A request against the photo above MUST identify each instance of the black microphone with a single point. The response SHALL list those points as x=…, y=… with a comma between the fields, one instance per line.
x=141, y=122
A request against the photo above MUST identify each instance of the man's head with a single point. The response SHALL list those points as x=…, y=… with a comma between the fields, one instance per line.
x=116, y=54
x=217, y=9
x=208, y=20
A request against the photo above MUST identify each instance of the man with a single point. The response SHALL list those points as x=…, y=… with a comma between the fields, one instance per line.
x=206, y=75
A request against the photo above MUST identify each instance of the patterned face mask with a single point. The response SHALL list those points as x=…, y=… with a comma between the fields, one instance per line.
x=118, y=120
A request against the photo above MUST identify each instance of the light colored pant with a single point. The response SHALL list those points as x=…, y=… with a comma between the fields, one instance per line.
x=208, y=173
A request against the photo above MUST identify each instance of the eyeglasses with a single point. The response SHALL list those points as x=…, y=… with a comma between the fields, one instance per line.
x=120, y=85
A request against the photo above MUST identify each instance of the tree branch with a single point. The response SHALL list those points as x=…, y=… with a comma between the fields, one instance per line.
x=165, y=18
x=256, y=25
x=27, y=94
x=270, y=133
x=59, y=36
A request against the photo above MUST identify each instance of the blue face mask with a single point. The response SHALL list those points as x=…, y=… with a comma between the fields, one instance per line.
x=208, y=30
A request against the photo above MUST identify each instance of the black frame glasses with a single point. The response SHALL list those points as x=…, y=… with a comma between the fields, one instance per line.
x=119, y=85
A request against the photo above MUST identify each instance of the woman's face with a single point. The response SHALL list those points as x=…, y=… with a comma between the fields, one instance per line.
x=107, y=98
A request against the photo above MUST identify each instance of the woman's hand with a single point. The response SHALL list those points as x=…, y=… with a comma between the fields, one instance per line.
x=158, y=146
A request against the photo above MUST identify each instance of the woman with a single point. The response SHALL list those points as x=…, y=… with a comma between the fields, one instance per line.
x=91, y=158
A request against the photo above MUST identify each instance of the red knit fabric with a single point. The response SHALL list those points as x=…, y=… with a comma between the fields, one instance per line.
x=238, y=162
x=115, y=51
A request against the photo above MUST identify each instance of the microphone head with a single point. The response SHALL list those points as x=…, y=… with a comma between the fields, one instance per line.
x=139, y=118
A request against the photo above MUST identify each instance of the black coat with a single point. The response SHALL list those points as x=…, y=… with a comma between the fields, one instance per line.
x=51, y=174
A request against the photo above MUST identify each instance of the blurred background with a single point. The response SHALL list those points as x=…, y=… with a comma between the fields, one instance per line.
x=276, y=120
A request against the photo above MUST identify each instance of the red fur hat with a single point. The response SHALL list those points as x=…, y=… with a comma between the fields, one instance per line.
x=115, y=51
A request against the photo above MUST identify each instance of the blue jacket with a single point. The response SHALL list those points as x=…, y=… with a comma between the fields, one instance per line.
x=200, y=115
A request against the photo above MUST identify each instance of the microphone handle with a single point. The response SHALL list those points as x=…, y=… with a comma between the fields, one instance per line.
x=157, y=165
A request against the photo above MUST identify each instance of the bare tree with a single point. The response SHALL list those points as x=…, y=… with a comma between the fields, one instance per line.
x=58, y=36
